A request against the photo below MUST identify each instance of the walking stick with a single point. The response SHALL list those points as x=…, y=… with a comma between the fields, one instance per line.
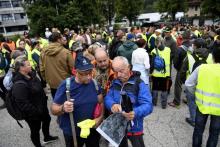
x=71, y=113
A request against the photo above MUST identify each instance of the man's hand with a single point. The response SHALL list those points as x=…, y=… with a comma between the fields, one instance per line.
x=68, y=106
x=129, y=116
x=116, y=108
x=98, y=121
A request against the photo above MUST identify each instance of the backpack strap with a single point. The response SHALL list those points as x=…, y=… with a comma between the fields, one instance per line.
x=96, y=85
x=184, y=48
x=157, y=53
x=137, y=82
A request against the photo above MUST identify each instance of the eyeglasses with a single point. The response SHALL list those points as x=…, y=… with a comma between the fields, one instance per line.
x=85, y=73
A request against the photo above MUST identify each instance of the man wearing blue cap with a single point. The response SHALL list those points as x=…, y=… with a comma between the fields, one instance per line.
x=127, y=48
x=85, y=95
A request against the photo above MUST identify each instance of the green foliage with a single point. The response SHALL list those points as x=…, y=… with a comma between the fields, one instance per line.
x=116, y=26
x=171, y=6
x=70, y=16
x=148, y=6
x=129, y=8
x=213, y=5
x=64, y=13
x=40, y=17
x=15, y=37
x=1, y=37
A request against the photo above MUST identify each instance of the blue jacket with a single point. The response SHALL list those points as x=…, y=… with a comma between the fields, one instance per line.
x=141, y=100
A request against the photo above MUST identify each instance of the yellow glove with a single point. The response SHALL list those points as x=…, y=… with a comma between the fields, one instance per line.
x=85, y=127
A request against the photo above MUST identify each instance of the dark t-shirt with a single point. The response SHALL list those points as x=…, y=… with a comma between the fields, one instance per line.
x=85, y=100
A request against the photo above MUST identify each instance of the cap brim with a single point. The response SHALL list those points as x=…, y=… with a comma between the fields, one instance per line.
x=85, y=68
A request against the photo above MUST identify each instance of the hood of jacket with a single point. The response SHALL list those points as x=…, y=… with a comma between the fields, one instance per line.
x=128, y=44
x=18, y=76
x=53, y=49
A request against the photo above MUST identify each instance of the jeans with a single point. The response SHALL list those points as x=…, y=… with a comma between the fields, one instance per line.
x=191, y=104
x=91, y=141
x=164, y=96
x=214, y=129
x=136, y=141
x=177, y=89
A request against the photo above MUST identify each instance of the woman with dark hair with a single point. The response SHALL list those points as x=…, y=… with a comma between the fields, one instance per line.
x=31, y=100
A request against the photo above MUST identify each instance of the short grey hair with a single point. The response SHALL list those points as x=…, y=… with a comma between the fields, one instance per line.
x=20, y=61
x=159, y=40
x=122, y=59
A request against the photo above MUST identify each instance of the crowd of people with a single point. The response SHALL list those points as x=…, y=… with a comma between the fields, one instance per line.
x=112, y=72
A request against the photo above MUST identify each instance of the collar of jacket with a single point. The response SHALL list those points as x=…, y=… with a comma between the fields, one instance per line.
x=131, y=80
x=111, y=73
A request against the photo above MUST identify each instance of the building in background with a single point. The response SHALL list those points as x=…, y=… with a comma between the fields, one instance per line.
x=13, y=19
x=194, y=14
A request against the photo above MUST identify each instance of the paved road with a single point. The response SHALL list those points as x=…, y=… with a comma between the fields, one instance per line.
x=163, y=128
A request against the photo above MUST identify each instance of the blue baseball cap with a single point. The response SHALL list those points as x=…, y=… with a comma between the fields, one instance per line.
x=83, y=64
x=130, y=36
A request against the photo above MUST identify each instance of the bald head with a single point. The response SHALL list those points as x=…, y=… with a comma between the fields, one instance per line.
x=100, y=52
x=121, y=67
x=102, y=59
x=119, y=60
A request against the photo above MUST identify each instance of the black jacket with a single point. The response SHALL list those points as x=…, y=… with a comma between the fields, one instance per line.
x=180, y=55
x=113, y=49
x=30, y=97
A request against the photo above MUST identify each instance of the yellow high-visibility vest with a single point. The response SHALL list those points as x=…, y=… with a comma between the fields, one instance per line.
x=152, y=36
x=208, y=89
x=215, y=38
x=29, y=56
x=71, y=43
x=26, y=45
x=191, y=62
x=144, y=37
x=197, y=33
x=43, y=42
x=35, y=51
x=165, y=54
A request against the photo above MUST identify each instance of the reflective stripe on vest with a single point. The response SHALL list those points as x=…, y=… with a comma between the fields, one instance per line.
x=35, y=51
x=208, y=93
x=165, y=54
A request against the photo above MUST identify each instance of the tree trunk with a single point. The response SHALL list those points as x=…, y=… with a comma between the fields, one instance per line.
x=130, y=21
x=173, y=16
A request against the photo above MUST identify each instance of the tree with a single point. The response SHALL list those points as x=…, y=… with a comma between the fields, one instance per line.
x=40, y=17
x=70, y=17
x=211, y=7
x=148, y=6
x=129, y=8
x=171, y=6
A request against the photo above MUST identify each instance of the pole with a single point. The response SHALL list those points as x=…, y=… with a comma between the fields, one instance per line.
x=71, y=115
